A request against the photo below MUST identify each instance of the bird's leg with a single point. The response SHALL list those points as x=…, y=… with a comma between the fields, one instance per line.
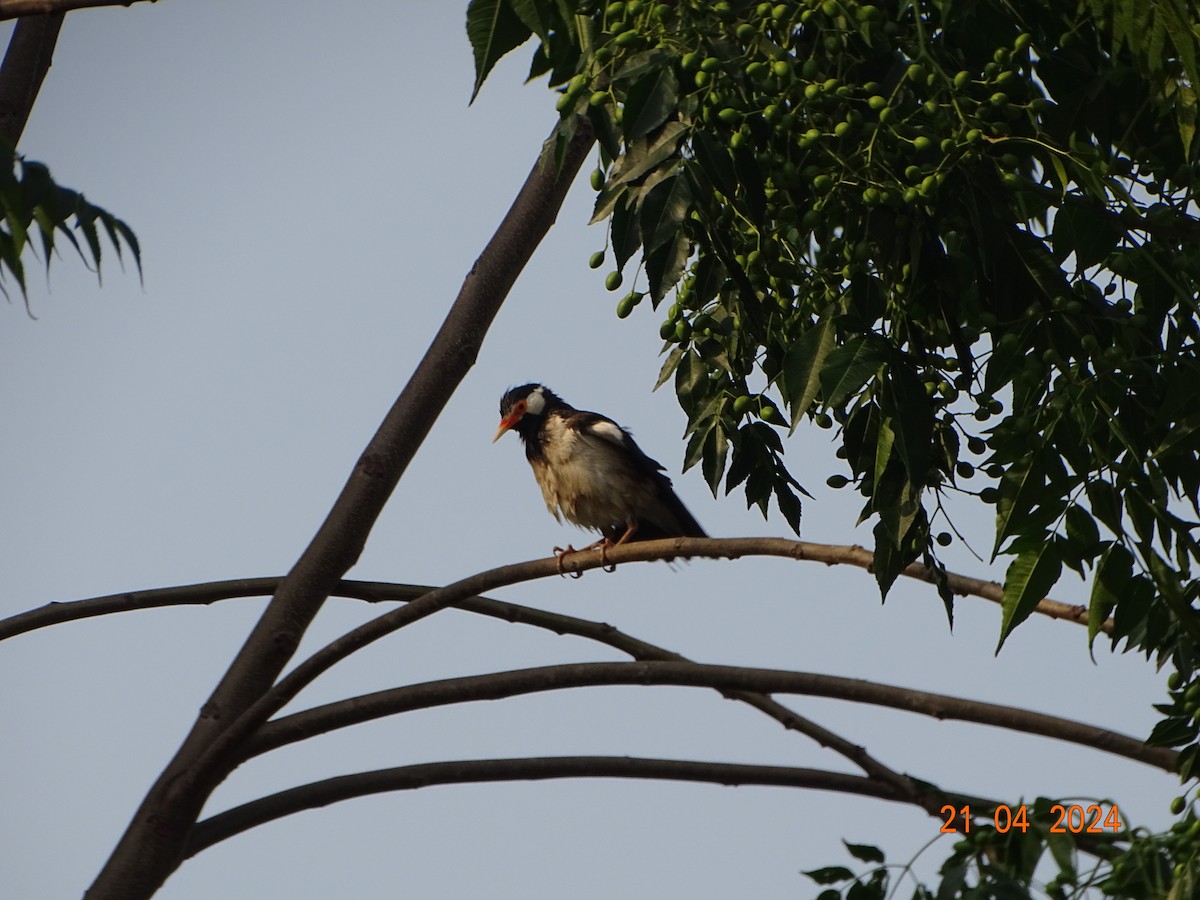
x=561, y=553
x=630, y=527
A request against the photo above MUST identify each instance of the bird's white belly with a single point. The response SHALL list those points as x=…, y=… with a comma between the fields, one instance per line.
x=584, y=481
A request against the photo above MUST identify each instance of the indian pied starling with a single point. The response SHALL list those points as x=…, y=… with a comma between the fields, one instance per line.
x=591, y=472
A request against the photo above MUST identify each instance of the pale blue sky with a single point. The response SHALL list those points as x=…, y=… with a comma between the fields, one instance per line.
x=310, y=188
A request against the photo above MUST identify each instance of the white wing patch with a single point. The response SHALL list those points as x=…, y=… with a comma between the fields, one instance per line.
x=610, y=431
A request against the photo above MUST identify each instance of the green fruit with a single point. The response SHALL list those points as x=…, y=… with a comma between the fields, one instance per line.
x=597, y=179
x=628, y=302
x=916, y=72
x=710, y=64
x=690, y=61
x=877, y=102
x=746, y=32
x=666, y=330
x=837, y=482
x=596, y=260
x=729, y=115
x=921, y=143
x=598, y=98
x=1191, y=696
x=944, y=539
x=742, y=403
x=961, y=79
x=613, y=280
x=823, y=420
x=782, y=68
x=769, y=413
x=1177, y=806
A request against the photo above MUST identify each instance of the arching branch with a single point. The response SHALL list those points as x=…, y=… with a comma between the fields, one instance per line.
x=732, y=548
x=322, y=793
x=341, y=714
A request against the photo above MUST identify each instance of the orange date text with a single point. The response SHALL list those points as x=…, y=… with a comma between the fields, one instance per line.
x=1073, y=819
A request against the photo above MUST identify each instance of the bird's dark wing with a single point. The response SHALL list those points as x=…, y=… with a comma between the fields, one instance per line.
x=671, y=518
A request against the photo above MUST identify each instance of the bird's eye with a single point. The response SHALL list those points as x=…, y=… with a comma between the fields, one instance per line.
x=520, y=408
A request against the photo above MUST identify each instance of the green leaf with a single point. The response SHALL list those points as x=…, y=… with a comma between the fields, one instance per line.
x=648, y=103
x=714, y=162
x=1106, y=504
x=847, y=369
x=1018, y=488
x=666, y=265
x=1028, y=580
x=493, y=29
x=802, y=366
x=1081, y=528
x=1110, y=584
x=887, y=562
x=883, y=451
x=663, y=211
x=865, y=852
x=909, y=412
x=1084, y=227
x=830, y=874
x=669, y=366
x=530, y=14
x=716, y=446
x=789, y=505
x=689, y=374
x=623, y=229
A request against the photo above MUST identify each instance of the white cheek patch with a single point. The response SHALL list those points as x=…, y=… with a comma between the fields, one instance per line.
x=535, y=402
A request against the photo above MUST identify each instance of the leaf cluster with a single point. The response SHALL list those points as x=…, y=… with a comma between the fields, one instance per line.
x=32, y=203
x=964, y=233
x=1031, y=862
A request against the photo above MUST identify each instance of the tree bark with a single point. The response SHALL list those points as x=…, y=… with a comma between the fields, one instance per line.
x=30, y=50
x=152, y=846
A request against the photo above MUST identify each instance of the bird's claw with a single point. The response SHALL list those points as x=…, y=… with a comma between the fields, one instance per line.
x=605, y=565
x=561, y=553
x=602, y=545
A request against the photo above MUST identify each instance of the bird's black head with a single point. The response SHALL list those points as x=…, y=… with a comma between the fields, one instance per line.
x=522, y=409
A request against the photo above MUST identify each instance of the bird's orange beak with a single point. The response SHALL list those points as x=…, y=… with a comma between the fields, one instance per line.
x=505, y=424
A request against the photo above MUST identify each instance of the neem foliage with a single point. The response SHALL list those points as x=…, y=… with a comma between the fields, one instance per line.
x=964, y=231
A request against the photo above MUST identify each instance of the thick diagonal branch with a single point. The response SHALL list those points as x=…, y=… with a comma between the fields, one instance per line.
x=30, y=50
x=150, y=849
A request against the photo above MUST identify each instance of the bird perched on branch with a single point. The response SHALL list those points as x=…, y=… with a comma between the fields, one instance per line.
x=591, y=472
